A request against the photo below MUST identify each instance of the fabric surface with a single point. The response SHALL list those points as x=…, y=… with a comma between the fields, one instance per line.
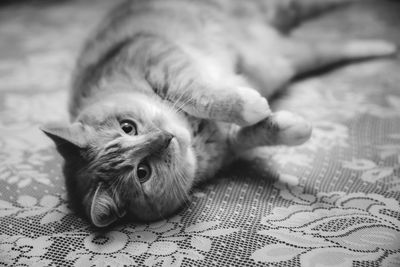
x=331, y=202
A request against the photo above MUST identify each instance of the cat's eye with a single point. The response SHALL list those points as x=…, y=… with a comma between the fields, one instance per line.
x=129, y=127
x=143, y=172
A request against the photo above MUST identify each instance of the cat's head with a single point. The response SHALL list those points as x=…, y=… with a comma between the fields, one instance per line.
x=127, y=155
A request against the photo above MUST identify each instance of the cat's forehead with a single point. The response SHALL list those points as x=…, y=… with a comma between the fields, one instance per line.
x=120, y=107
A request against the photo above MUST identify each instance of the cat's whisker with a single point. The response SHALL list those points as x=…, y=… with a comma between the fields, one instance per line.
x=175, y=193
x=115, y=187
x=181, y=190
x=176, y=189
x=184, y=104
x=178, y=100
x=184, y=196
x=174, y=102
x=179, y=195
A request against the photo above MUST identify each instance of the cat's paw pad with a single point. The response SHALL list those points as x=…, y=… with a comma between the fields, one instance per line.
x=254, y=107
x=293, y=129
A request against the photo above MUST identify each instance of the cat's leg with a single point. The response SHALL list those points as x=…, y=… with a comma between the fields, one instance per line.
x=199, y=85
x=236, y=104
x=262, y=62
x=281, y=128
x=274, y=60
x=306, y=56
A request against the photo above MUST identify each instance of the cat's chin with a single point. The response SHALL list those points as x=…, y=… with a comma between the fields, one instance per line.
x=182, y=139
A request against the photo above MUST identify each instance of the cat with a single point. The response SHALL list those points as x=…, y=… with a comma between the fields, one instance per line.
x=167, y=92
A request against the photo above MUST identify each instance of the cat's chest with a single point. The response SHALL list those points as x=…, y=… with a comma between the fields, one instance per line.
x=210, y=146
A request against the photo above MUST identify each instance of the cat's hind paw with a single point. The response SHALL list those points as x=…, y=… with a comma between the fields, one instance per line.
x=292, y=129
x=280, y=128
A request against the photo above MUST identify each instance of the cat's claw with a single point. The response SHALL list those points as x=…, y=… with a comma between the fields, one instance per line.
x=293, y=129
x=255, y=107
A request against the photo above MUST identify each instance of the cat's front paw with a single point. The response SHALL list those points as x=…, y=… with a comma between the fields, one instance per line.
x=254, y=107
x=292, y=129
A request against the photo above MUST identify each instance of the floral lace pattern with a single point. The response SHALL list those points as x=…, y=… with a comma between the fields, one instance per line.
x=330, y=227
x=334, y=201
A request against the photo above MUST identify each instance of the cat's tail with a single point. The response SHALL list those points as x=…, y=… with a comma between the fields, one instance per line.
x=286, y=14
x=308, y=56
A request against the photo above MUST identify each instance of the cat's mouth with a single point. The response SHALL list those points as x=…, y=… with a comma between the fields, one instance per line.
x=181, y=139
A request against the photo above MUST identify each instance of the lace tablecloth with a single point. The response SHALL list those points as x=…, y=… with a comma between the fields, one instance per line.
x=331, y=202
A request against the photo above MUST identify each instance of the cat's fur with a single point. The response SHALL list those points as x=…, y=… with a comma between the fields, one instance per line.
x=193, y=76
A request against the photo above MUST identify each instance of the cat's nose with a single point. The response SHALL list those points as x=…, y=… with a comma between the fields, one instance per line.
x=160, y=141
x=167, y=138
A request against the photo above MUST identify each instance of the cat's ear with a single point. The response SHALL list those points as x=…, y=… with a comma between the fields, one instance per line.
x=67, y=137
x=103, y=209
